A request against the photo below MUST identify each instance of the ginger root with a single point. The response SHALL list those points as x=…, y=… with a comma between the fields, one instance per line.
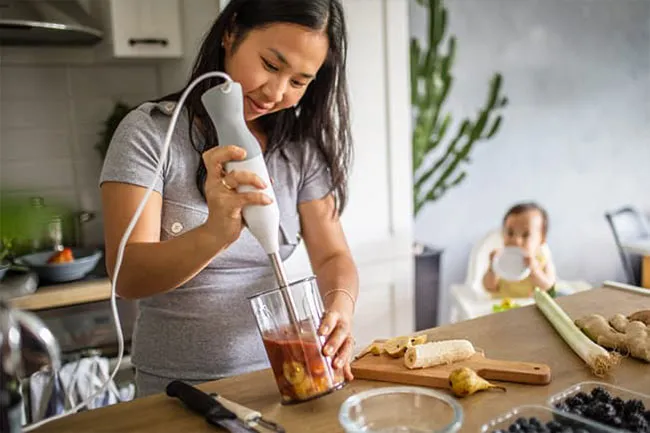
x=619, y=333
x=641, y=316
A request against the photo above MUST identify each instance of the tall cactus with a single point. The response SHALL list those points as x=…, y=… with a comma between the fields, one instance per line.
x=431, y=81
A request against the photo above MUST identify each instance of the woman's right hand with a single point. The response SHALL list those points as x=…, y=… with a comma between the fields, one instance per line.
x=224, y=202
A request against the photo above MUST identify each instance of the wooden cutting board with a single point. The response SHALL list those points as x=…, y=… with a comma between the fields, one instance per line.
x=387, y=369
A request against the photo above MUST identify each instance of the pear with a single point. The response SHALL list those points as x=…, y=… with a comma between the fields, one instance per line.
x=465, y=381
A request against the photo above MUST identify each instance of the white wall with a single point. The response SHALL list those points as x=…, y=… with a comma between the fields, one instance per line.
x=576, y=136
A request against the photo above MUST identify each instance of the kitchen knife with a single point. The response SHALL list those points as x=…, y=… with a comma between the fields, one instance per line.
x=250, y=417
x=206, y=406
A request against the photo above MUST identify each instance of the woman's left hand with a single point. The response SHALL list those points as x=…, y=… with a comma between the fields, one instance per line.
x=337, y=328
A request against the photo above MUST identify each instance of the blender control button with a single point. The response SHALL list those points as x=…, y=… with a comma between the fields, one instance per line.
x=177, y=227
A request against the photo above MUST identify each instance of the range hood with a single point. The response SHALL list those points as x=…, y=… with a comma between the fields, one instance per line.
x=46, y=22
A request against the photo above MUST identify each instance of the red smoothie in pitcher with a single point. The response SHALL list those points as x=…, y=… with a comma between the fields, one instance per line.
x=301, y=370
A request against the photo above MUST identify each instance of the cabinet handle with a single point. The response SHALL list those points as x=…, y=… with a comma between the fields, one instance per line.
x=148, y=41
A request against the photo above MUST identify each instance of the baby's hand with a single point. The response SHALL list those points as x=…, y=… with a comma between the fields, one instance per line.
x=532, y=263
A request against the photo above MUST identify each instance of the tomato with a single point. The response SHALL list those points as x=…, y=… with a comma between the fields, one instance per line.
x=63, y=256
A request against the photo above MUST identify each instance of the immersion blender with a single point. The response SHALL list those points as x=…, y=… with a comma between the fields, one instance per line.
x=225, y=106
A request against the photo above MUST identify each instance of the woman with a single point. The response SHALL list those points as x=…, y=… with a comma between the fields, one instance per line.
x=188, y=260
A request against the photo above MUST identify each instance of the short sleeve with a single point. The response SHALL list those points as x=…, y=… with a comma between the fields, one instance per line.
x=316, y=176
x=134, y=152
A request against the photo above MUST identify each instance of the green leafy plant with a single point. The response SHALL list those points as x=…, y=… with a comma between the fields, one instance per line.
x=435, y=170
x=5, y=249
x=120, y=110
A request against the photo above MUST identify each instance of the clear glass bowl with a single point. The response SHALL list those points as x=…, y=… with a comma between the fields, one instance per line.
x=543, y=415
x=587, y=388
x=401, y=409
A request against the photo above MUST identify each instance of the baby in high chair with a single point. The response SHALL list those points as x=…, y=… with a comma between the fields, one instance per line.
x=525, y=225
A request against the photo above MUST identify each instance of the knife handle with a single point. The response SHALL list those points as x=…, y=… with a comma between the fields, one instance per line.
x=198, y=401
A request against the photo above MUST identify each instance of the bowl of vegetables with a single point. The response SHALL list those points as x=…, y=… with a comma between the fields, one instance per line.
x=68, y=264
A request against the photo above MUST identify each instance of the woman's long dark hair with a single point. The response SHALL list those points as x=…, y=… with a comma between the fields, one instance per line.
x=321, y=116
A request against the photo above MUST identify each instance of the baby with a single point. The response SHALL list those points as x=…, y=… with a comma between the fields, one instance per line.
x=525, y=226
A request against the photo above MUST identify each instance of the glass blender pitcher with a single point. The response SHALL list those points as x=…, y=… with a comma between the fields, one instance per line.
x=295, y=351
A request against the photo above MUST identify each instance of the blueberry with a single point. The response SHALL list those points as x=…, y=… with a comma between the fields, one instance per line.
x=573, y=401
x=563, y=407
x=616, y=421
x=514, y=428
x=601, y=394
x=637, y=423
x=499, y=431
x=577, y=411
x=602, y=411
x=618, y=404
x=646, y=414
x=634, y=406
x=554, y=426
x=583, y=397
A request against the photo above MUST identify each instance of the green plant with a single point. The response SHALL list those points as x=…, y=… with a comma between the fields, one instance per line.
x=120, y=109
x=5, y=249
x=436, y=171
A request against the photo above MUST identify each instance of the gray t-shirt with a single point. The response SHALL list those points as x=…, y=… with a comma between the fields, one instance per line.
x=205, y=329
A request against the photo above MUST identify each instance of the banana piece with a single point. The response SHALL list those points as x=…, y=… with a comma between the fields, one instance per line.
x=374, y=348
x=438, y=353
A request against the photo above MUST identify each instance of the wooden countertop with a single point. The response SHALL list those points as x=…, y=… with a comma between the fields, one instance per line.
x=61, y=295
x=523, y=335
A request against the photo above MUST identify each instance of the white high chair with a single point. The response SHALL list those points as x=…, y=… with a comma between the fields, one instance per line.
x=471, y=300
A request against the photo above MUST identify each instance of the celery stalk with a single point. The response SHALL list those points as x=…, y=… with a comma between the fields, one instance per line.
x=596, y=357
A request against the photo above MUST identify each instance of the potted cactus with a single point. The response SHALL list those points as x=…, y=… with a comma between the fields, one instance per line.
x=441, y=147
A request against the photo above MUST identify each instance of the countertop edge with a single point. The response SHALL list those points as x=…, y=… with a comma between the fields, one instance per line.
x=62, y=295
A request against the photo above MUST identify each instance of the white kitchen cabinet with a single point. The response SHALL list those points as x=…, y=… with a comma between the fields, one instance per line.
x=142, y=29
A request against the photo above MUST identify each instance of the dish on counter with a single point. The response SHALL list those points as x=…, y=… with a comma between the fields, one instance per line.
x=401, y=409
x=84, y=260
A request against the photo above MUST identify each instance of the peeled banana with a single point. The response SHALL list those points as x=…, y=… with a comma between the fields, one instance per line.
x=438, y=353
